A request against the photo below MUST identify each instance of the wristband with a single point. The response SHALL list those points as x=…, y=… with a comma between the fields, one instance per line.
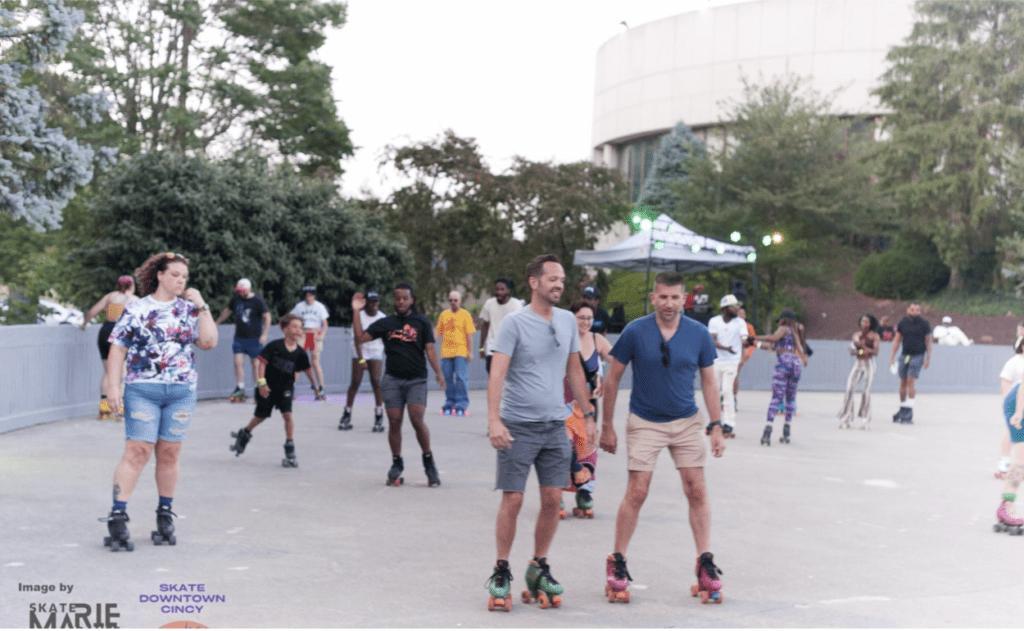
x=712, y=425
x=362, y=360
x=591, y=414
x=481, y=349
x=260, y=383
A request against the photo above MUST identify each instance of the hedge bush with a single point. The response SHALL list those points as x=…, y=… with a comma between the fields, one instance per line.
x=910, y=269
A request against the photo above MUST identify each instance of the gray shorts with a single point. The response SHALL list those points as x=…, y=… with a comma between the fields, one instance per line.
x=543, y=444
x=398, y=393
x=910, y=366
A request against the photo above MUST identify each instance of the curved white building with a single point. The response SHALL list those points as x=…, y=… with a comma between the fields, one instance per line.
x=683, y=67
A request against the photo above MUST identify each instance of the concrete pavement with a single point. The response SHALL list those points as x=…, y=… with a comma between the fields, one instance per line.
x=890, y=527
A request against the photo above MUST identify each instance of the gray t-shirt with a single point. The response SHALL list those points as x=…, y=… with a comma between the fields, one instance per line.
x=534, y=390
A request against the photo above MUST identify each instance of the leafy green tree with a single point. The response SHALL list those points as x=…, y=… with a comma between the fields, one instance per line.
x=956, y=91
x=791, y=167
x=240, y=219
x=191, y=75
x=677, y=153
x=465, y=225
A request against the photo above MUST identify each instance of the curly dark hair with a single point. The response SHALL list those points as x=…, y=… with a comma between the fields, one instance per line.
x=146, y=273
x=580, y=304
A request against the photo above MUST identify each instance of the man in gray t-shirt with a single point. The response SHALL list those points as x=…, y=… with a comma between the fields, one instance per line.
x=536, y=349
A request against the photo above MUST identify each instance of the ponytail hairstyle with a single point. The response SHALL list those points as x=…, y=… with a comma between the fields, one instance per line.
x=124, y=283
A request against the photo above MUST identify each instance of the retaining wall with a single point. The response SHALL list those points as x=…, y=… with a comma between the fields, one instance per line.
x=49, y=373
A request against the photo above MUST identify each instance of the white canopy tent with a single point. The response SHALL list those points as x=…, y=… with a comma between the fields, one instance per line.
x=668, y=245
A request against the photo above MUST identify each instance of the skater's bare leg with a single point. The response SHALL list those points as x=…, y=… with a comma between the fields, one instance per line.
x=254, y=422
x=126, y=475
x=547, y=520
x=1016, y=473
x=167, y=468
x=505, y=527
x=240, y=368
x=353, y=386
x=907, y=388
x=289, y=424
x=1004, y=446
x=700, y=510
x=638, y=484
x=416, y=413
x=314, y=359
x=395, y=430
x=376, y=370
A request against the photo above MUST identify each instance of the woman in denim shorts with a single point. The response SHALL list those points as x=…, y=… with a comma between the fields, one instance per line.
x=154, y=336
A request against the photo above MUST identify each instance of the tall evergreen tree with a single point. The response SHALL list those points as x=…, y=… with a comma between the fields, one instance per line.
x=956, y=91
x=677, y=153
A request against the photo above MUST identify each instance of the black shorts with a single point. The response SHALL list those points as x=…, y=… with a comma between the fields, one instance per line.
x=102, y=340
x=282, y=400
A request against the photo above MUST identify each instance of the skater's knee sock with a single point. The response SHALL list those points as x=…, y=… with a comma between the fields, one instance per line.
x=241, y=385
x=379, y=409
x=1009, y=497
x=166, y=501
x=120, y=506
x=909, y=403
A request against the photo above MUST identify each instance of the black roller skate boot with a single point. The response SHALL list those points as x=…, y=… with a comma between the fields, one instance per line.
x=289, y=455
x=117, y=528
x=346, y=420
x=727, y=431
x=908, y=416
x=785, y=434
x=395, y=472
x=321, y=394
x=378, y=422
x=242, y=438
x=164, y=532
x=766, y=438
x=431, y=470
x=901, y=414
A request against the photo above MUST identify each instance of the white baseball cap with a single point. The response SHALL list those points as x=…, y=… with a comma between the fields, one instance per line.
x=947, y=320
x=728, y=300
x=243, y=284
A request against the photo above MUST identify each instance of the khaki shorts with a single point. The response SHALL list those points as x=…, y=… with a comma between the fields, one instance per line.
x=684, y=438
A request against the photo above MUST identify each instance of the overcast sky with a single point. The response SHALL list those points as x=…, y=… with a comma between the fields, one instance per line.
x=516, y=76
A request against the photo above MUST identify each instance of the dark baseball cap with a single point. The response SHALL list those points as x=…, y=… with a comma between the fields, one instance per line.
x=591, y=292
x=372, y=295
x=309, y=289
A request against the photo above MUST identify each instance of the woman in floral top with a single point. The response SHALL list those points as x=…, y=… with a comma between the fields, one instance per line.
x=154, y=336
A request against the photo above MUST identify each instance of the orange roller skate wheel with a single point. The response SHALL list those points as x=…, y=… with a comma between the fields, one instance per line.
x=490, y=603
x=542, y=600
x=556, y=602
x=508, y=604
x=526, y=596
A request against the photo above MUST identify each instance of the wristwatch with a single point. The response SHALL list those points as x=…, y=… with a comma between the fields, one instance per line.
x=205, y=307
x=712, y=425
x=590, y=414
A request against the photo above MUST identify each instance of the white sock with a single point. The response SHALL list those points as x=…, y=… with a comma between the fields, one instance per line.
x=241, y=385
x=379, y=409
x=909, y=403
x=348, y=410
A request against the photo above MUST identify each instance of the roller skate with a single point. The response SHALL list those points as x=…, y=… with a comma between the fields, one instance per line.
x=844, y=423
x=899, y=416
x=561, y=510
x=584, y=505
x=164, y=532
x=1002, y=468
x=908, y=416
x=431, y=470
x=105, y=412
x=541, y=586
x=1008, y=522
x=321, y=394
x=727, y=431
x=395, y=472
x=785, y=434
x=460, y=412
x=242, y=438
x=766, y=438
x=500, y=587
x=118, y=538
x=238, y=396
x=617, y=587
x=708, y=586
x=865, y=424
x=447, y=411
x=289, y=460
x=378, y=422
x=346, y=420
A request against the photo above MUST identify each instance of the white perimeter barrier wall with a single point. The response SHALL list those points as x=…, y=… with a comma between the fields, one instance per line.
x=50, y=373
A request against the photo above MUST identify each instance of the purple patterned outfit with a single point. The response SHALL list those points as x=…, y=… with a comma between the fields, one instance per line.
x=785, y=379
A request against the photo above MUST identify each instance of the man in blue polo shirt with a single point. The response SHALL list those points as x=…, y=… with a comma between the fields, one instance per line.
x=667, y=351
